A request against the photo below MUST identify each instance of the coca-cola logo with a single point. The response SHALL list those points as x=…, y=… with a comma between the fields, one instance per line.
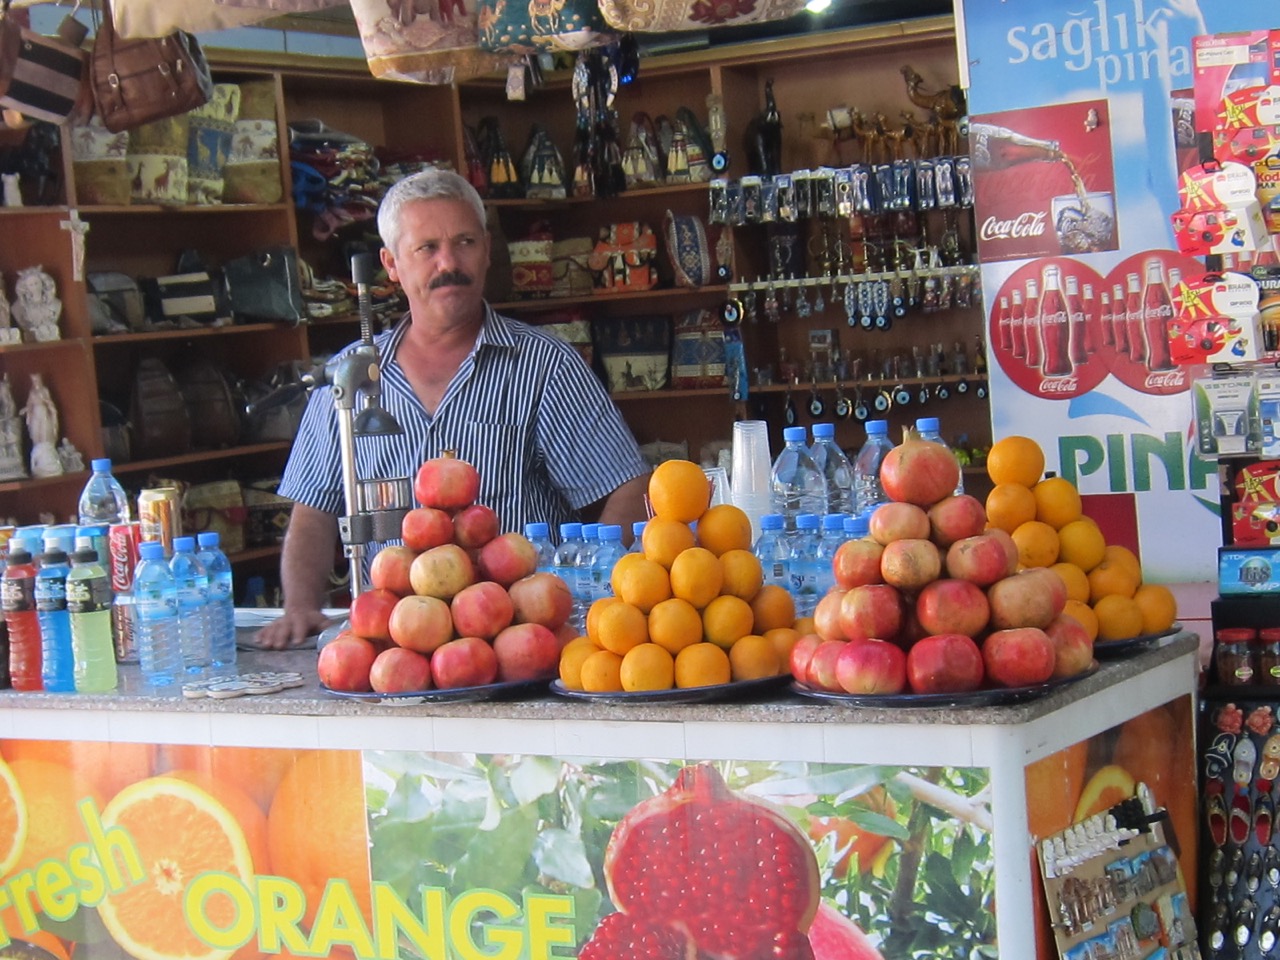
x=1172, y=380
x=1059, y=385
x=1053, y=319
x=1163, y=311
x=1024, y=225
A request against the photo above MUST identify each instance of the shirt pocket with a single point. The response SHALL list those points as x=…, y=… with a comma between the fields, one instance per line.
x=499, y=458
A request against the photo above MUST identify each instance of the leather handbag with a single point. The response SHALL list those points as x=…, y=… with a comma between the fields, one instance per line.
x=161, y=423
x=266, y=285
x=143, y=79
x=44, y=78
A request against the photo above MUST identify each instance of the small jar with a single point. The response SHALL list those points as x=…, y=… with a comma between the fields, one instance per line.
x=1269, y=656
x=1235, y=656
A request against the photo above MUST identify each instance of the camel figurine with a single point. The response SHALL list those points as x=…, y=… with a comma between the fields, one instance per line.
x=865, y=132
x=948, y=105
x=914, y=132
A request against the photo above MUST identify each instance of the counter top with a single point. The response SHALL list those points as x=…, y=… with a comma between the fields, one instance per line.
x=779, y=707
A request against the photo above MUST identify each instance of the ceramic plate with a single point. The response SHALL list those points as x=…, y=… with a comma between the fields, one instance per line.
x=1117, y=649
x=1000, y=696
x=743, y=689
x=488, y=691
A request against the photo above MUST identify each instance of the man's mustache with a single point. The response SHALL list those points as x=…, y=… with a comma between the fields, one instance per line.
x=450, y=278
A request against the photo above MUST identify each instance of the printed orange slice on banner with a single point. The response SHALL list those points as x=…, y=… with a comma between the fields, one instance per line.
x=180, y=831
x=318, y=829
x=52, y=794
x=255, y=770
x=13, y=820
x=102, y=767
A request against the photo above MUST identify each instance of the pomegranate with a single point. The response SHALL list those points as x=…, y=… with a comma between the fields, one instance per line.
x=671, y=860
x=834, y=936
x=919, y=472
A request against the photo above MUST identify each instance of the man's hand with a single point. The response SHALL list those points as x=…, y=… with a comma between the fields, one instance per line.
x=291, y=630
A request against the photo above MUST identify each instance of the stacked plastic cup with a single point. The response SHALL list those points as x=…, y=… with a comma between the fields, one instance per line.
x=752, y=463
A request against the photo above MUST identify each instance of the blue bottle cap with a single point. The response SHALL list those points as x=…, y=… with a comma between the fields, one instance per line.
x=772, y=521
x=101, y=465
x=793, y=434
x=570, y=531
x=209, y=538
x=833, y=521
x=877, y=428
x=856, y=526
x=151, y=550
x=591, y=531
x=536, y=531
x=928, y=424
x=184, y=544
x=824, y=430
x=637, y=528
x=807, y=521
x=611, y=531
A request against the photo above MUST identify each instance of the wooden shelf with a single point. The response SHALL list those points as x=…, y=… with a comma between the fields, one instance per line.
x=78, y=479
x=66, y=343
x=782, y=387
x=644, y=193
x=716, y=291
x=186, y=333
x=151, y=209
x=202, y=456
x=255, y=553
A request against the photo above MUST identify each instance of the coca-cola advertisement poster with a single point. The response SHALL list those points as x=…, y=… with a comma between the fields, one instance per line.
x=1043, y=181
x=1099, y=80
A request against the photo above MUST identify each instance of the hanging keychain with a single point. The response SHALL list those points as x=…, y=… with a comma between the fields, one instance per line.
x=898, y=295
x=843, y=408
x=771, y=302
x=851, y=302
x=803, y=309
x=789, y=408
x=883, y=319
x=866, y=304
x=860, y=409
x=817, y=406
x=749, y=305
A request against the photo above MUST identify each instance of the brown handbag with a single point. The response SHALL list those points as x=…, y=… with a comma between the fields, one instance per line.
x=143, y=79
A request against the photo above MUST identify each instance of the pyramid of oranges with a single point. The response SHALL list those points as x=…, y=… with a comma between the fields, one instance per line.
x=1043, y=515
x=692, y=609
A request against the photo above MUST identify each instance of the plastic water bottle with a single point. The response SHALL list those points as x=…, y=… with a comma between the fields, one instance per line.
x=221, y=609
x=539, y=534
x=855, y=528
x=58, y=661
x=929, y=429
x=837, y=472
x=89, y=603
x=637, y=536
x=797, y=486
x=155, y=607
x=805, y=565
x=830, y=541
x=605, y=557
x=26, y=658
x=583, y=575
x=192, y=581
x=773, y=550
x=564, y=564
x=103, y=500
x=866, y=466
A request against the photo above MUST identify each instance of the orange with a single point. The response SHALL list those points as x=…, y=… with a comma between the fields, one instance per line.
x=255, y=770
x=696, y=576
x=774, y=607
x=851, y=840
x=180, y=831
x=1015, y=460
x=1037, y=544
x=641, y=582
x=663, y=540
x=602, y=672
x=702, y=665
x=723, y=528
x=804, y=625
x=1111, y=579
x=1074, y=578
x=242, y=807
x=675, y=624
x=13, y=820
x=573, y=655
x=102, y=768
x=783, y=639
x=1159, y=608
x=1125, y=557
x=622, y=626
x=1009, y=505
x=1057, y=502
x=1053, y=789
x=1083, y=614
x=679, y=490
x=1082, y=544
x=593, y=617
x=753, y=657
x=1119, y=618
x=317, y=826
x=743, y=576
x=647, y=667
x=51, y=794
x=725, y=620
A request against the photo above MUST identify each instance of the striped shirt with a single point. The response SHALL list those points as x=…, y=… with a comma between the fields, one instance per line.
x=523, y=408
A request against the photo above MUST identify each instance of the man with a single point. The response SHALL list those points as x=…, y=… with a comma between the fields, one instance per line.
x=517, y=403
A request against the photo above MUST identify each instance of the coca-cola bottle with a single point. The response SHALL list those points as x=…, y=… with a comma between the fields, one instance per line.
x=1119, y=320
x=1133, y=315
x=1055, y=326
x=1018, y=326
x=1080, y=348
x=1157, y=311
x=995, y=148
x=1106, y=321
x=1175, y=285
x=1003, y=325
x=1090, y=321
x=1035, y=351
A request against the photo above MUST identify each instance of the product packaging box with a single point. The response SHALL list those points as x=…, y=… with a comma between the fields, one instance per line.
x=1227, y=417
x=1246, y=570
x=1216, y=320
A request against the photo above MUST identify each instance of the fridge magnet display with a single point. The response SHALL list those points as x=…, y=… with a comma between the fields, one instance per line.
x=1044, y=178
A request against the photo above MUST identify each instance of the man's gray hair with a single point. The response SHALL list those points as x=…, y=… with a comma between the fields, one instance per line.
x=429, y=184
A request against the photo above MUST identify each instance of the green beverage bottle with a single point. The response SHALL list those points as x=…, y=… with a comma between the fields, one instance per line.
x=89, y=601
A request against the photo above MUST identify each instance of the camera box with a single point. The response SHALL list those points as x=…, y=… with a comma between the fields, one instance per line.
x=1248, y=570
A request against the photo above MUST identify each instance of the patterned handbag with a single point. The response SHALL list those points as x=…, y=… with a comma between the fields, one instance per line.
x=542, y=25
x=44, y=78
x=688, y=250
x=421, y=42
x=663, y=16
